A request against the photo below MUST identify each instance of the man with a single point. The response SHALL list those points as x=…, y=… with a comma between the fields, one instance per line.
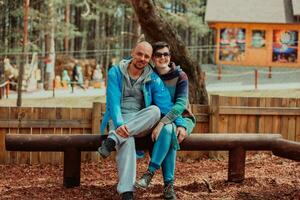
x=132, y=90
x=77, y=76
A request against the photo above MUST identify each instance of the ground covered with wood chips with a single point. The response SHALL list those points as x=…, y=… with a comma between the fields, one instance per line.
x=267, y=177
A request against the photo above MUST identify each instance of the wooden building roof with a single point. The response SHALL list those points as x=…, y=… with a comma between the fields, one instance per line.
x=296, y=7
x=252, y=11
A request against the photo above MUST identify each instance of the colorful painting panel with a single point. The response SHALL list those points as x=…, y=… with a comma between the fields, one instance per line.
x=285, y=46
x=232, y=44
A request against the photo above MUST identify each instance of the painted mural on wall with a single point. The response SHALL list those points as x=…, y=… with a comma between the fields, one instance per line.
x=232, y=44
x=285, y=46
x=258, y=38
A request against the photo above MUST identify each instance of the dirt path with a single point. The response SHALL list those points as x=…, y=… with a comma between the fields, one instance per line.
x=267, y=178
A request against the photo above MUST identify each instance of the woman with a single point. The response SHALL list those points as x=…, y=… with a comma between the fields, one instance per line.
x=168, y=134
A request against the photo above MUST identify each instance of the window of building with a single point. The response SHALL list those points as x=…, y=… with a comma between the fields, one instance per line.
x=258, y=38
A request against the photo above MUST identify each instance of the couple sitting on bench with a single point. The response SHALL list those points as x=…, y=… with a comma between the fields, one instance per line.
x=144, y=100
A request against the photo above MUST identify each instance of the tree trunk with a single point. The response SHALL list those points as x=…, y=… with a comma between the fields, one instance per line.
x=25, y=41
x=78, y=24
x=67, y=21
x=156, y=28
x=97, y=37
x=84, y=40
x=50, y=49
x=136, y=29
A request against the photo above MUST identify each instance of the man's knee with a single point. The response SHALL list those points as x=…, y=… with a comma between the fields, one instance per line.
x=129, y=142
x=155, y=112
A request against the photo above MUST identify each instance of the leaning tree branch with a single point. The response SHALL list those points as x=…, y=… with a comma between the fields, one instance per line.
x=156, y=28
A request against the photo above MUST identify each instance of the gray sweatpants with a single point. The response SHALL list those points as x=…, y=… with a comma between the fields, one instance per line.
x=139, y=124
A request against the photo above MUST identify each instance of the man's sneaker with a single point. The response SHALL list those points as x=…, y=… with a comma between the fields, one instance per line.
x=107, y=147
x=127, y=196
x=144, y=182
x=169, y=192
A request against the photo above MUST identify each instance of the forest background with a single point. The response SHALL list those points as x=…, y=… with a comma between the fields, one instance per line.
x=104, y=30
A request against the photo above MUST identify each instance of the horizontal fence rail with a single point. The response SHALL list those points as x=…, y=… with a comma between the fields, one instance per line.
x=242, y=110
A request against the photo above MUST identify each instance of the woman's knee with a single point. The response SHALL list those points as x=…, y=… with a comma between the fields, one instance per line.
x=168, y=128
x=166, y=133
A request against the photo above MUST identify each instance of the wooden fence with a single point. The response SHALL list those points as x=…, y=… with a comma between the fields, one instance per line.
x=223, y=115
x=36, y=120
x=255, y=115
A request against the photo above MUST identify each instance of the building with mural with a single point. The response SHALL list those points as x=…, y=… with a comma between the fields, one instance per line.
x=255, y=32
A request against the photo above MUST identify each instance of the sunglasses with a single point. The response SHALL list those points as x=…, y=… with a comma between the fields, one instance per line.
x=159, y=55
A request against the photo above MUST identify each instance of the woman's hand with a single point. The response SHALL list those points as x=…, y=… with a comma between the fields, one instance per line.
x=122, y=131
x=156, y=131
x=181, y=134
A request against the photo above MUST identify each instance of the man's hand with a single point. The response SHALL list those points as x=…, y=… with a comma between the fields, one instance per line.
x=156, y=131
x=181, y=133
x=122, y=131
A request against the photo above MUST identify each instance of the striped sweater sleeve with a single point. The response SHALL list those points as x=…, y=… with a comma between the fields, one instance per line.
x=180, y=101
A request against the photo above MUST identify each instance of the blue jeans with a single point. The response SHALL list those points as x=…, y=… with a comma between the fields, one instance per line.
x=164, y=152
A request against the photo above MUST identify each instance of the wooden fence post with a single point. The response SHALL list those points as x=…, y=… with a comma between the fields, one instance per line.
x=7, y=89
x=214, y=123
x=54, y=87
x=96, y=117
x=214, y=114
x=256, y=78
x=270, y=72
x=219, y=72
x=96, y=121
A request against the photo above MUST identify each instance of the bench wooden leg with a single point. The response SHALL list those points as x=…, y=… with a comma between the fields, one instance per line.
x=236, y=165
x=72, y=160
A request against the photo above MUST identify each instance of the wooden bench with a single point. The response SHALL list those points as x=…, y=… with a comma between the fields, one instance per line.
x=236, y=144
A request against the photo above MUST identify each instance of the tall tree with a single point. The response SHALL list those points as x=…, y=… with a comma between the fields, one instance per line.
x=25, y=56
x=67, y=20
x=50, y=46
x=152, y=23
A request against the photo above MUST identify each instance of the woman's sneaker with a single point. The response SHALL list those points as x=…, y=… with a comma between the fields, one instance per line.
x=127, y=196
x=169, y=192
x=107, y=147
x=144, y=182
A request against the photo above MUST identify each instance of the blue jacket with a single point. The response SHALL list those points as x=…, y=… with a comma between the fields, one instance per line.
x=154, y=90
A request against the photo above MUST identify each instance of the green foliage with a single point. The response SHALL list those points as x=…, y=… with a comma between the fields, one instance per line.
x=183, y=15
x=115, y=16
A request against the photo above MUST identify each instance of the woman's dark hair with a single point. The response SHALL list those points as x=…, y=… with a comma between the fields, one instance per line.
x=159, y=45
